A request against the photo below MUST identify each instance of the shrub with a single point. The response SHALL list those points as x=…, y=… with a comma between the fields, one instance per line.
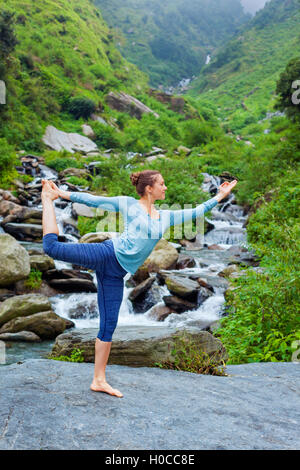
x=81, y=107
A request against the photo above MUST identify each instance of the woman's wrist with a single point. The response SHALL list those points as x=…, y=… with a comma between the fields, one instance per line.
x=219, y=197
x=64, y=194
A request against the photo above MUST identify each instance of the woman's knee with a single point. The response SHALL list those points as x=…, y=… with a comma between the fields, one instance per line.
x=49, y=244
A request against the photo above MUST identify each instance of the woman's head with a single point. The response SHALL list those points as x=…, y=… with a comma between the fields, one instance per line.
x=149, y=182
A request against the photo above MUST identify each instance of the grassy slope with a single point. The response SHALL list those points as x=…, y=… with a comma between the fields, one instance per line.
x=169, y=40
x=253, y=60
x=65, y=50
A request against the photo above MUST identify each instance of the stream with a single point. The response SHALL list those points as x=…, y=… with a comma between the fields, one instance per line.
x=227, y=219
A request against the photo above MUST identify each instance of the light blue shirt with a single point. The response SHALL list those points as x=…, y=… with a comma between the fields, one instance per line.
x=141, y=232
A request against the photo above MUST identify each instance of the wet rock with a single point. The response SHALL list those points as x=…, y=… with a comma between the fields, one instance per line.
x=139, y=346
x=41, y=262
x=73, y=285
x=14, y=261
x=66, y=274
x=141, y=288
x=26, y=336
x=5, y=294
x=22, y=288
x=178, y=305
x=182, y=287
x=23, y=305
x=160, y=312
x=185, y=261
x=228, y=271
x=47, y=325
x=84, y=309
x=24, y=232
x=214, y=247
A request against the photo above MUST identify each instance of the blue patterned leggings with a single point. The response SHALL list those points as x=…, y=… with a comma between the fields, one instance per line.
x=101, y=258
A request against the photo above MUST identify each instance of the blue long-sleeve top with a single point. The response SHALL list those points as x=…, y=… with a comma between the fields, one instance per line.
x=141, y=232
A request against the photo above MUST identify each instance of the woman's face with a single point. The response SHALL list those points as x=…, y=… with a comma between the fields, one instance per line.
x=158, y=189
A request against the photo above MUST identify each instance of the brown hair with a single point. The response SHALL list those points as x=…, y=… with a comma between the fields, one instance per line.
x=141, y=179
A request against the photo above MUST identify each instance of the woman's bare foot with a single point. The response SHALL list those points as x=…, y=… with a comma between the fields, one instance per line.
x=103, y=386
x=48, y=191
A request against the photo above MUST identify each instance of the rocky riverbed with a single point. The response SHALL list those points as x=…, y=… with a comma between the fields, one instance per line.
x=180, y=286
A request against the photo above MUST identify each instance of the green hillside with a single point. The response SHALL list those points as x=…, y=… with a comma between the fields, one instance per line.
x=64, y=50
x=240, y=81
x=170, y=40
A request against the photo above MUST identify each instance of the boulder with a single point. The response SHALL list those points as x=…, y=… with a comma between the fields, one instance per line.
x=159, y=312
x=128, y=104
x=139, y=346
x=73, y=285
x=185, y=261
x=23, y=305
x=182, y=287
x=88, y=131
x=178, y=305
x=83, y=210
x=141, y=288
x=97, y=237
x=14, y=261
x=24, y=231
x=228, y=270
x=41, y=262
x=47, y=325
x=26, y=336
x=164, y=256
x=79, y=172
x=5, y=294
x=72, y=142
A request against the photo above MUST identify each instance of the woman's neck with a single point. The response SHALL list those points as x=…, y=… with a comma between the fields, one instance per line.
x=147, y=201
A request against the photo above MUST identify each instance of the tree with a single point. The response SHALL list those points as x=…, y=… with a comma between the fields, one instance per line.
x=288, y=89
x=8, y=40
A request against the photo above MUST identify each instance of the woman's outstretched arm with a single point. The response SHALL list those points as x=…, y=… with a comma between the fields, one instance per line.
x=185, y=215
x=103, y=202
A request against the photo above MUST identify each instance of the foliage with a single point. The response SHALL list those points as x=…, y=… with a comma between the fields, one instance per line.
x=8, y=40
x=288, y=87
x=78, y=181
x=264, y=319
x=34, y=280
x=188, y=357
x=8, y=160
x=75, y=356
x=81, y=107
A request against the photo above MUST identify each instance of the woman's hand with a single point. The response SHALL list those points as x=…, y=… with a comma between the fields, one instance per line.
x=225, y=188
x=48, y=192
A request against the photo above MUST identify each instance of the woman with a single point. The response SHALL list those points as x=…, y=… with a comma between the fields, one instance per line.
x=112, y=259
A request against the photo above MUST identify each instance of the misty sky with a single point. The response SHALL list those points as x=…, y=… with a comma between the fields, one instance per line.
x=252, y=6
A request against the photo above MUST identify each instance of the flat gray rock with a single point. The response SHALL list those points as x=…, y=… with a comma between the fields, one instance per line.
x=46, y=404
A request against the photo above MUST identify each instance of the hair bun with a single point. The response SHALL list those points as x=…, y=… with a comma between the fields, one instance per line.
x=134, y=177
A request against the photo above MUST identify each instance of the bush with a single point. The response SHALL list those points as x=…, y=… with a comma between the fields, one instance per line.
x=8, y=160
x=106, y=136
x=81, y=107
